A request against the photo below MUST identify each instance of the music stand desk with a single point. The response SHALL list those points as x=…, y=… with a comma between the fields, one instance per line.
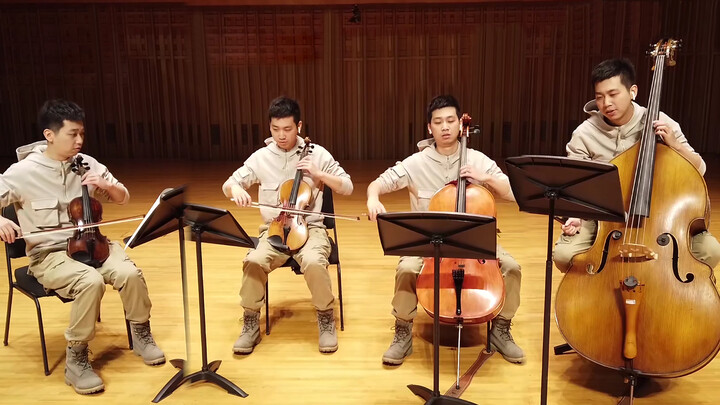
x=555, y=185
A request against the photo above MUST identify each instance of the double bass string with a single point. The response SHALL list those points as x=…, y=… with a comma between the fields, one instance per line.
x=651, y=115
x=642, y=179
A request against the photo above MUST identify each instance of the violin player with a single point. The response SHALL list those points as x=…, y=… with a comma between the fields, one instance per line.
x=424, y=173
x=271, y=166
x=41, y=185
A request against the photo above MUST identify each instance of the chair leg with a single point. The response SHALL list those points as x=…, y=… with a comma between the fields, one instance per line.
x=127, y=327
x=267, y=310
x=42, y=336
x=7, y=317
x=342, y=315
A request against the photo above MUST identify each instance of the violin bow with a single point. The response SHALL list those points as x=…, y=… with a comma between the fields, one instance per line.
x=303, y=212
x=80, y=226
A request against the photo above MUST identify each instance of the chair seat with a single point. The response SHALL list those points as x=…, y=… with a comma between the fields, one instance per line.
x=30, y=285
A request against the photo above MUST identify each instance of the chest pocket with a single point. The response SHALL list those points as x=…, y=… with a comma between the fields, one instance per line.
x=424, y=197
x=46, y=213
x=268, y=193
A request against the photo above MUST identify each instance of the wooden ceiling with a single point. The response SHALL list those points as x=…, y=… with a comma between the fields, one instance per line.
x=204, y=3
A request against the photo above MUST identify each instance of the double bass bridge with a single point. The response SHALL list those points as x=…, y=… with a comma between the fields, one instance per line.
x=637, y=252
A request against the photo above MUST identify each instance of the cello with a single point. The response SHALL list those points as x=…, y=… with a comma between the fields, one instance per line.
x=638, y=301
x=472, y=291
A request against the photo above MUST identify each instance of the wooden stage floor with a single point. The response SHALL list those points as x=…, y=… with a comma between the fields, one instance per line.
x=286, y=368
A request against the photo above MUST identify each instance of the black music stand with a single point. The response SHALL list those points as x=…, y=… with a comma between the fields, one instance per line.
x=437, y=234
x=563, y=186
x=219, y=226
x=165, y=216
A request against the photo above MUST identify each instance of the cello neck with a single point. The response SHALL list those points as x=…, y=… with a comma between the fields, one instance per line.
x=460, y=201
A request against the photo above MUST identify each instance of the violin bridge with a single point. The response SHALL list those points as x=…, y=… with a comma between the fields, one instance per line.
x=637, y=251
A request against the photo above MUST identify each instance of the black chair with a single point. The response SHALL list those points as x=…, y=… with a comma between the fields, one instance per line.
x=28, y=285
x=334, y=259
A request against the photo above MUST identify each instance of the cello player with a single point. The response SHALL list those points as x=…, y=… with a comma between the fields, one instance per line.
x=423, y=173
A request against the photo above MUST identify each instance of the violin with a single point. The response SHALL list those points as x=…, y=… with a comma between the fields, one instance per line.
x=87, y=245
x=472, y=291
x=638, y=300
x=288, y=232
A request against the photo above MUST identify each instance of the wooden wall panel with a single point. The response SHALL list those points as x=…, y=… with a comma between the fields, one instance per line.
x=173, y=81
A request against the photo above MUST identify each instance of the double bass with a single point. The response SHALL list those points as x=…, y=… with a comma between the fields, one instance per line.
x=638, y=301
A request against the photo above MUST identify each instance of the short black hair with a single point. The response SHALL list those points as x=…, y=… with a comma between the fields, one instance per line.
x=54, y=112
x=614, y=67
x=283, y=107
x=442, y=101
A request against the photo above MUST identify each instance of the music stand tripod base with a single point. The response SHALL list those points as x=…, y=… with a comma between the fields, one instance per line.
x=427, y=395
x=207, y=373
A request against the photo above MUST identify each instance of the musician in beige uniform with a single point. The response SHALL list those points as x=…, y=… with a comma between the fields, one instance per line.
x=614, y=126
x=270, y=167
x=41, y=185
x=424, y=173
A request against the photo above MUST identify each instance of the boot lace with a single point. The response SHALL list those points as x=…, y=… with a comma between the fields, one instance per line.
x=503, y=327
x=81, y=358
x=142, y=332
x=325, y=322
x=250, y=323
x=401, y=333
